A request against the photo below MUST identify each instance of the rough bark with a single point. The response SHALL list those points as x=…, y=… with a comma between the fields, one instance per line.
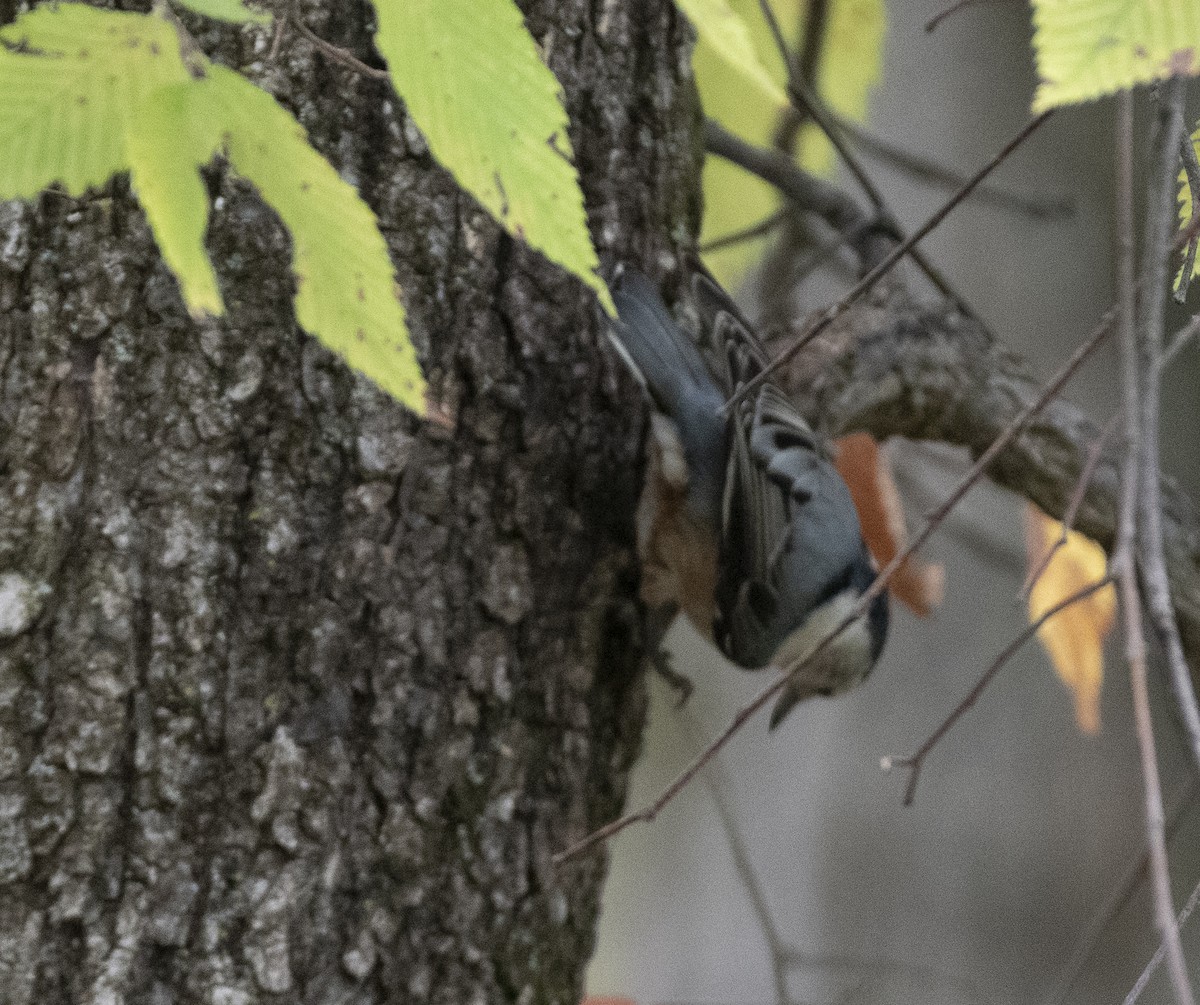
x=298, y=695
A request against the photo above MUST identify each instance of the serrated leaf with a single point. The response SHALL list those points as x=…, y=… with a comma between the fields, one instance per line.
x=727, y=35
x=853, y=54
x=67, y=102
x=1088, y=48
x=1074, y=638
x=345, y=287
x=492, y=113
x=226, y=10
x=168, y=143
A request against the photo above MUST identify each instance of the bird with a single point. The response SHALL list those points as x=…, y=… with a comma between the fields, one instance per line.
x=744, y=523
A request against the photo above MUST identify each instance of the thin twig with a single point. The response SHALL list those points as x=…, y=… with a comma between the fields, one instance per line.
x=718, y=785
x=1128, y=519
x=648, y=813
x=941, y=15
x=933, y=173
x=934, y=520
x=760, y=229
x=1068, y=518
x=1115, y=902
x=807, y=191
x=1187, y=234
x=1179, y=341
x=1191, y=167
x=811, y=105
x=916, y=761
x=1140, y=984
x=868, y=281
x=276, y=39
x=337, y=53
x=806, y=101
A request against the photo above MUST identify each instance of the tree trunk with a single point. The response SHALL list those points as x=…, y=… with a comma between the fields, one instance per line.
x=298, y=695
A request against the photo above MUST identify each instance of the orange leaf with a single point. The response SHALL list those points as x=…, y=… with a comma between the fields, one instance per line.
x=1074, y=637
x=918, y=585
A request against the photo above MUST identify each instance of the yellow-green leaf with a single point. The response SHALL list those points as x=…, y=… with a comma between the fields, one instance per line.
x=345, y=288
x=727, y=35
x=168, y=142
x=1089, y=48
x=1186, y=202
x=492, y=113
x=68, y=100
x=226, y=10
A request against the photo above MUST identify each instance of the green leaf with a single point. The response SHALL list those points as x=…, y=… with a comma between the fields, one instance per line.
x=98, y=92
x=345, y=288
x=1089, y=48
x=67, y=103
x=728, y=36
x=492, y=113
x=168, y=143
x=226, y=10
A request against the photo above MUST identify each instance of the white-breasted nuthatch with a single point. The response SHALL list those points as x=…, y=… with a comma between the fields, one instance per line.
x=745, y=523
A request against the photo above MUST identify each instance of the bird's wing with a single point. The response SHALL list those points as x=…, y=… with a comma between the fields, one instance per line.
x=790, y=535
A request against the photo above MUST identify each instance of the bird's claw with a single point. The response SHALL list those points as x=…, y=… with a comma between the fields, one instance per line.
x=681, y=683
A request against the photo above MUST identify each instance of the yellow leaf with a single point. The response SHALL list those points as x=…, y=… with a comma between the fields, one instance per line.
x=1074, y=638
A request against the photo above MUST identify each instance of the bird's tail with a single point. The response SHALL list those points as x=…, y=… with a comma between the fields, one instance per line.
x=659, y=352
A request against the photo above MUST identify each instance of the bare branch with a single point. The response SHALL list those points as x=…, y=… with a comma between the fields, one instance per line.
x=760, y=229
x=892, y=368
x=916, y=761
x=869, y=238
x=930, y=172
x=1179, y=341
x=1132, y=515
x=807, y=103
x=1116, y=900
x=868, y=282
x=335, y=52
x=1152, y=558
x=1140, y=984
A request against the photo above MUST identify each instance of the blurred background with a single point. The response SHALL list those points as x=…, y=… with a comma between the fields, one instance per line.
x=1014, y=877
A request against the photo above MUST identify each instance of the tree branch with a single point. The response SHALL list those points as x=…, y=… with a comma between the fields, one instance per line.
x=928, y=373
